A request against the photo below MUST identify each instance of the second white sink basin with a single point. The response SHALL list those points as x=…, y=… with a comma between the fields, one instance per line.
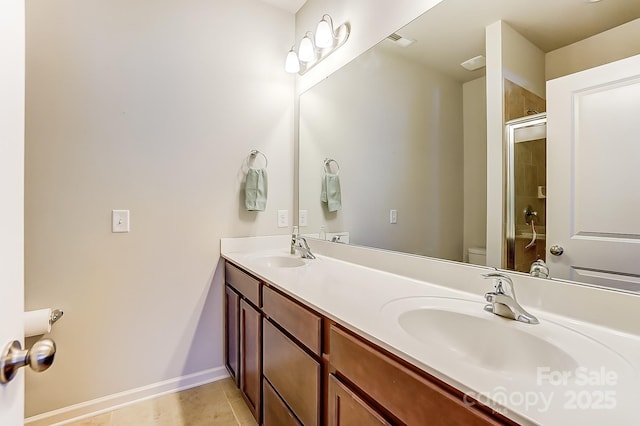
x=460, y=329
x=494, y=344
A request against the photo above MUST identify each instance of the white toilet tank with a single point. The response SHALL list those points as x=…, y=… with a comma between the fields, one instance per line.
x=477, y=255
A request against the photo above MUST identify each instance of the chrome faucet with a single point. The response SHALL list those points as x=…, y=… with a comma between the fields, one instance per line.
x=300, y=244
x=503, y=302
x=539, y=269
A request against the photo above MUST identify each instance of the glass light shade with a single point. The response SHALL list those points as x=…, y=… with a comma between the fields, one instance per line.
x=324, y=34
x=292, y=64
x=306, y=52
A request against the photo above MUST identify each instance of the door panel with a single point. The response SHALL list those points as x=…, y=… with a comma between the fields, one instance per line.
x=250, y=360
x=12, y=57
x=346, y=408
x=232, y=342
x=593, y=175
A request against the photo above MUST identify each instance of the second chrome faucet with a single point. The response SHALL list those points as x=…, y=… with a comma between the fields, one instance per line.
x=300, y=244
x=502, y=301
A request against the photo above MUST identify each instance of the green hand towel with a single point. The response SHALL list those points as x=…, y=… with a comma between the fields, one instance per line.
x=255, y=190
x=331, y=192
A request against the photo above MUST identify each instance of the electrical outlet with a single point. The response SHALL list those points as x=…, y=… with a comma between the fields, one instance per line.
x=283, y=218
x=393, y=216
x=120, y=221
x=302, y=218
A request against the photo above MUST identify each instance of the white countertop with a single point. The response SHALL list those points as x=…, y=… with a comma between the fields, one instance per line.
x=604, y=388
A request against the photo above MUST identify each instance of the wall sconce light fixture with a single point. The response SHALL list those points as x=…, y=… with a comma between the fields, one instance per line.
x=307, y=51
x=314, y=48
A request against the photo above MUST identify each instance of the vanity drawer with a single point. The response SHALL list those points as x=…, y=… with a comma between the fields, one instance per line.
x=413, y=398
x=294, y=374
x=300, y=322
x=276, y=412
x=248, y=286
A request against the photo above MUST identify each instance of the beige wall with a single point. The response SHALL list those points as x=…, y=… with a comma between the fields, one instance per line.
x=150, y=106
x=617, y=43
x=395, y=128
x=475, y=164
x=522, y=61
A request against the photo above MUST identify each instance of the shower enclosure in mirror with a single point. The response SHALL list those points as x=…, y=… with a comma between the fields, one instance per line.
x=526, y=191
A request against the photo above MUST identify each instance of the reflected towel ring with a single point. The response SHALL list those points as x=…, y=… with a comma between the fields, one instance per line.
x=327, y=162
x=255, y=152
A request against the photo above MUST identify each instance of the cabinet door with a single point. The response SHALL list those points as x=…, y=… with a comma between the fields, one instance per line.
x=231, y=340
x=346, y=408
x=251, y=356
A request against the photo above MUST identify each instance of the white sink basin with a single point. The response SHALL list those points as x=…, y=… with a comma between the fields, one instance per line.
x=495, y=345
x=458, y=329
x=280, y=261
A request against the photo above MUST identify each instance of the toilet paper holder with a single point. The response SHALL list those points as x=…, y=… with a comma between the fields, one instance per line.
x=56, y=314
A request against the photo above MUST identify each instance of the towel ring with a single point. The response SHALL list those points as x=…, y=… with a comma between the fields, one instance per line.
x=327, y=162
x=255, y=152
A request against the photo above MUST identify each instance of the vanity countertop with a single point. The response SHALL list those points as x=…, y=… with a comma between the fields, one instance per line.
x=602, y=386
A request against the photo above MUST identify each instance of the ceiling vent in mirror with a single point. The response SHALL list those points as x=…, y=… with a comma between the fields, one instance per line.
x=474, y=63
x=400, y=41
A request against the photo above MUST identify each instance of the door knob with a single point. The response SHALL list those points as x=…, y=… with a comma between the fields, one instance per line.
x=556, y=250
x=39, y=357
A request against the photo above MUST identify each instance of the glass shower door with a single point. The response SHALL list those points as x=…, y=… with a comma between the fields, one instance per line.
x=526, y=191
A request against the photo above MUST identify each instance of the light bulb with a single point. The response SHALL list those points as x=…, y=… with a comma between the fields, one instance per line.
x=292, y=64
x=324, y=34
x=306, y=52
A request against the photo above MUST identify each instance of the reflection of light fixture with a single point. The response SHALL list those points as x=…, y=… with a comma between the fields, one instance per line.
x=292, y=64
x=306, y=51
x=324, y=33
x=314, y=49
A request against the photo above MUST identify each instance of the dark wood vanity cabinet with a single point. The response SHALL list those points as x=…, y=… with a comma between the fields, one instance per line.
x=345, y=408
x=405, y=394
x=243, y=336
x=276, y=412
x=232, y=332
x=291, y=357
x=296, y=367
x=251, y=357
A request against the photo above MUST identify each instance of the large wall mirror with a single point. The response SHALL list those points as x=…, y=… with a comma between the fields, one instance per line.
x=406, y=127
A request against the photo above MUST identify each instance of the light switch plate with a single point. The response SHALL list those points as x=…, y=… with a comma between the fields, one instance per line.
x=302, y=217
x=393, y=216
x=120, y=221
x=283, y=218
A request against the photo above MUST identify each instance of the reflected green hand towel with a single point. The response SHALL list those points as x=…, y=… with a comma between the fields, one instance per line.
x=255, y=190
x=331, y=192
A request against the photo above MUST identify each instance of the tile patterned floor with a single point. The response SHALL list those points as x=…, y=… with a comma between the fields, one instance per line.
x=218, y=403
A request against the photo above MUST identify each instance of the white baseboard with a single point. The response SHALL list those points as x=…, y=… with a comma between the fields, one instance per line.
x=122, y=399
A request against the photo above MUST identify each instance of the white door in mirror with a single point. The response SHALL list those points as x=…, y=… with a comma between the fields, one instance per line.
x=593, y=175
